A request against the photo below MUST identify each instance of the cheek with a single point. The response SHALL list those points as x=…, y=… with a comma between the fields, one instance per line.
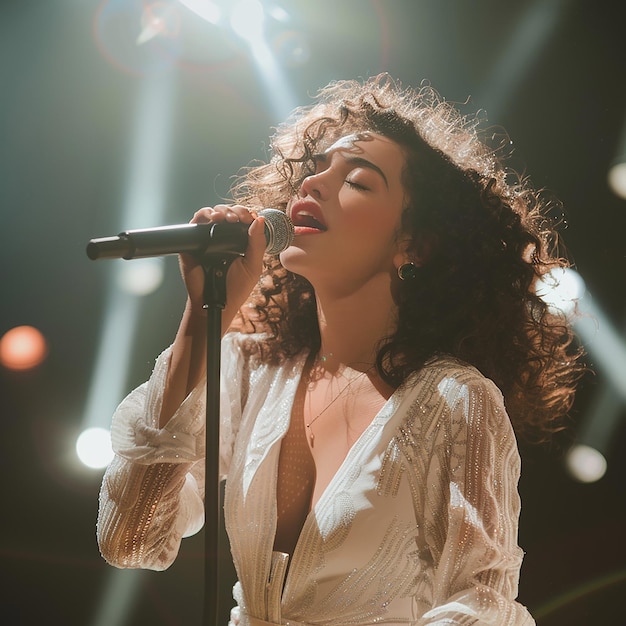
x=379, y=222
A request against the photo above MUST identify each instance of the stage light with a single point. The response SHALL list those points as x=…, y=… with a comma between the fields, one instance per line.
x=524, y=46
x=138, y=37
x=604, y=342
x=120, y=592
x=606, y=350
x=143, y=205
x=93, y=447
x=617, y=179
x=586, y=464
x=617, y=172
x=22, y=348
x=561, y=289
x=158, y=18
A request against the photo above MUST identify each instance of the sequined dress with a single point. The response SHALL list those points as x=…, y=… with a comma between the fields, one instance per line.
x=418, y=526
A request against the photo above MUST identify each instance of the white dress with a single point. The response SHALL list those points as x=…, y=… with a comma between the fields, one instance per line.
x=418, y=526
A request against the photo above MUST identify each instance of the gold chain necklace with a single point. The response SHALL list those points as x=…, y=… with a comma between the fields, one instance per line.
x=309, y=424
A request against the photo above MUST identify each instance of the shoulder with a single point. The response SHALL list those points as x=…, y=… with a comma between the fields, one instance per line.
x=455, y=396
x=243, y=350
x=455, y=417
x=451, y=377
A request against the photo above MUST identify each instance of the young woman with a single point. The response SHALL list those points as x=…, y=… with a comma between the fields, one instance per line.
x=374, y=374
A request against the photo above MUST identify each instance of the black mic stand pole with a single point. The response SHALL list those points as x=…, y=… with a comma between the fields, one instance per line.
x=215, y=270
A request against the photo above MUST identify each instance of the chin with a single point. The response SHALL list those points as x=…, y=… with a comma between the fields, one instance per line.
x=293, y=259
x=300, y=262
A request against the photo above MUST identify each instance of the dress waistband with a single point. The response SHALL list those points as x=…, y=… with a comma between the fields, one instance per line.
x=241, y=618
x=253, y=621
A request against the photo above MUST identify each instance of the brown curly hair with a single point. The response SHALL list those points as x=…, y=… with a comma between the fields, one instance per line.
x=484, y=231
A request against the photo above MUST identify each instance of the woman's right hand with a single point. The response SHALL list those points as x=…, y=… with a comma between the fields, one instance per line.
x=243, y=273
x=188, y=358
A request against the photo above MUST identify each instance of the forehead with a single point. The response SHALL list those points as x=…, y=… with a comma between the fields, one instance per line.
x=365, y=142
x=373, y=151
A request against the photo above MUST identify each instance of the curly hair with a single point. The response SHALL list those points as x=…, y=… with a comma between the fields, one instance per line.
x=484, y=232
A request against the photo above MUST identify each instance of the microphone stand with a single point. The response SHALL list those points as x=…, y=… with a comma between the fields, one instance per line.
x=216, y=262
x=215, y=270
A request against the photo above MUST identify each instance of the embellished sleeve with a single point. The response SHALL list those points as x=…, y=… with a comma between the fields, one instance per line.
x=152, y=492
x=472, y=510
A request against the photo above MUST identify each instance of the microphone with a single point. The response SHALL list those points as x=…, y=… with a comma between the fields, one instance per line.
x=202, y=239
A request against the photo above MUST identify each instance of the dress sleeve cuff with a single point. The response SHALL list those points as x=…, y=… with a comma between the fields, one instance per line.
x=135, y=435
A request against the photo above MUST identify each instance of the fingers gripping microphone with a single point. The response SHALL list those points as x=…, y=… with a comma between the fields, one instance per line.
x=201, y=239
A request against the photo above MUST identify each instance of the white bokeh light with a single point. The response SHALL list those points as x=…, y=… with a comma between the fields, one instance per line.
x=617, y=179
x=586, y=464
x=93, y=447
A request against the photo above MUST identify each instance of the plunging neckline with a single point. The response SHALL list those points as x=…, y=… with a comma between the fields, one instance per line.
x=315, y=509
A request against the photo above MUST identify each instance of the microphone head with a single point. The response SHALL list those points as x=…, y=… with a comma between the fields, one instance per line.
x=279, y=230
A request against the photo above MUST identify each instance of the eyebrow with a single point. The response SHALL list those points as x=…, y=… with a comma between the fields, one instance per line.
x=354, y=160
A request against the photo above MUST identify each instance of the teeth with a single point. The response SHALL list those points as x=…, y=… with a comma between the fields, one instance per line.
x=305, y=218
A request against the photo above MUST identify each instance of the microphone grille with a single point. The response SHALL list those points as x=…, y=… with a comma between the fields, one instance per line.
x=278, y=230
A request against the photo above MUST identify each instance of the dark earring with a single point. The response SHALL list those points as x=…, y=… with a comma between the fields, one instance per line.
x=407, y=271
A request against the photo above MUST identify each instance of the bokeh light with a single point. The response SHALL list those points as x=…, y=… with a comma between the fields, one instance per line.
x=586, y=464
x=93, y=447
x=22, y=348
x=617, y=179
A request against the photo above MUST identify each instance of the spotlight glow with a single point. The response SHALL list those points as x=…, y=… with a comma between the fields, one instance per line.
x=158, y=19
x=93, y=447
x=586, y=464
x=22, y=348
x=246, y=20
x=560, y=289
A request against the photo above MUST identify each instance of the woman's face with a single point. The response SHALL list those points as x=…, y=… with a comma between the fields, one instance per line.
x=347, y=214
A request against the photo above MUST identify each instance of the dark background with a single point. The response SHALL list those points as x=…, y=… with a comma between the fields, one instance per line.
x=551, y=72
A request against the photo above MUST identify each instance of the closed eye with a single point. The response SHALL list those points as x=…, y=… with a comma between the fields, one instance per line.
x=355, y=185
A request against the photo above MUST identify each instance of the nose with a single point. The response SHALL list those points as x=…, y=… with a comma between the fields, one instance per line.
x=315, y=186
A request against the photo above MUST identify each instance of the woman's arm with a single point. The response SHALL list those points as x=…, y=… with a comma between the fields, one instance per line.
x=188, y=361
x=152, y=492
x=472, y=510
x=150, y=497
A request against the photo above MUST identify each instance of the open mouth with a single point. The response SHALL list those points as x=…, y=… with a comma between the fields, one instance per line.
x=307, y=219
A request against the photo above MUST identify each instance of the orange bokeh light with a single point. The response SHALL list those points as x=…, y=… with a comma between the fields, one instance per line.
x=22, y=348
